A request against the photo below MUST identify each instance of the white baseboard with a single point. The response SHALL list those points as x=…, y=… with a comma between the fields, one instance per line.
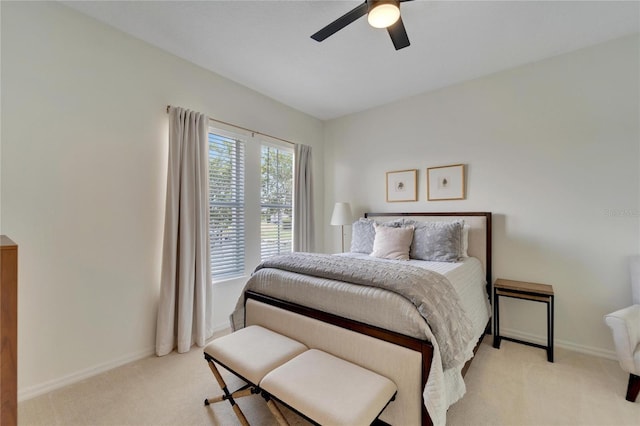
x=37, y=390
x=564, y=344
x=40, y=389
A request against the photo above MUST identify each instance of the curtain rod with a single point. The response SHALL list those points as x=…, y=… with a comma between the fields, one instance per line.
x=254, y=132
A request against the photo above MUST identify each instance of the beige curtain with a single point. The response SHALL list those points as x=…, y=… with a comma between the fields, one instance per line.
x=303, y=238
x=184, y=311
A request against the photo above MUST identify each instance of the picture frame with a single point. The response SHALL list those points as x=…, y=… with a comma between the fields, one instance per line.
x=402, y=185
x=446, y=183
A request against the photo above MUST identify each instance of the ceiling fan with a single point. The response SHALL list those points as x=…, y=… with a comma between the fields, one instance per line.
x=380, y=14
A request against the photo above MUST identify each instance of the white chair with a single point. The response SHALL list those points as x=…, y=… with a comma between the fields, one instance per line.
x=625, y=325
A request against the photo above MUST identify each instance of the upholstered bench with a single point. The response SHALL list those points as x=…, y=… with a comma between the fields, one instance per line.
x=323, y=388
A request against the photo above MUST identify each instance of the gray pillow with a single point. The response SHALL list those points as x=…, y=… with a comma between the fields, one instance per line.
x=363, y=234
x=437, y=241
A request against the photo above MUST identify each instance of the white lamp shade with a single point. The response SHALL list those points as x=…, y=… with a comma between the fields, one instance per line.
x=341, y=214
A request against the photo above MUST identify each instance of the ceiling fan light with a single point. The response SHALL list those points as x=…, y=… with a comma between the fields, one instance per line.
x=383, y=15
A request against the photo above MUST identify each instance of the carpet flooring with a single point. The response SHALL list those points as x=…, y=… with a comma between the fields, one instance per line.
x=514, y=385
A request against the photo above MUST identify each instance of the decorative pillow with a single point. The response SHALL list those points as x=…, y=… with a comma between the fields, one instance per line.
x=465, y=240
x=437, y=241
x=363, y=233
x=362, y=236
x=392, y=243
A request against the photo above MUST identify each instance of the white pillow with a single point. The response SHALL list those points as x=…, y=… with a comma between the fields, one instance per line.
x=392, y=243
x=363, y=233
x=465, y=240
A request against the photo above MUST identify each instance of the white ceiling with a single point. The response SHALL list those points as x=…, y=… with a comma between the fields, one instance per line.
x=266, y=45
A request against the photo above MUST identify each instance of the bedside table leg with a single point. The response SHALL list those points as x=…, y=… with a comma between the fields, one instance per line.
x=550, y=329
x=496, y=321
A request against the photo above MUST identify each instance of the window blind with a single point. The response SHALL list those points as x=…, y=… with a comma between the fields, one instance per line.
x=276, y=195
x=226, y=206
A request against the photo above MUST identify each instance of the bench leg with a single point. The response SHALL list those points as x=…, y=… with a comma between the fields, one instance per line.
x=245, y=391
x=633, y=388
x=227, y=395
x=275, y=410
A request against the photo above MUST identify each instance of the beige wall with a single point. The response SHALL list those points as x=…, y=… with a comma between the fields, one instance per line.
x=551, y=149
x=84, y=152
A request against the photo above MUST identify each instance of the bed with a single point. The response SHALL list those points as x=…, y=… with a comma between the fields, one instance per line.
x=389, y=333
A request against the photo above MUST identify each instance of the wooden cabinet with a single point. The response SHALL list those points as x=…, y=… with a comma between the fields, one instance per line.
x=8, y=331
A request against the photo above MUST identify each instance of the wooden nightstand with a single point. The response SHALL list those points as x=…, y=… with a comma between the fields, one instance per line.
x=527, y=291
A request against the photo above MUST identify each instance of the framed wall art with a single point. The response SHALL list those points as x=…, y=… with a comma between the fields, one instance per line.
x=402, y=185
x=446, y=183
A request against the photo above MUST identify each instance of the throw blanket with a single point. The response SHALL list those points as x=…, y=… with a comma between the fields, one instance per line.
x=431, y=293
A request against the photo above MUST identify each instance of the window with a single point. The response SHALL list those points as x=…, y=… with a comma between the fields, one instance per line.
x=226, y=206
x=250, y=201
x=276, y=195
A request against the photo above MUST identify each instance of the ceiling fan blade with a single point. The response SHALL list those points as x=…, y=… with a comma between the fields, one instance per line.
x=341, y=22
x=398, y=35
